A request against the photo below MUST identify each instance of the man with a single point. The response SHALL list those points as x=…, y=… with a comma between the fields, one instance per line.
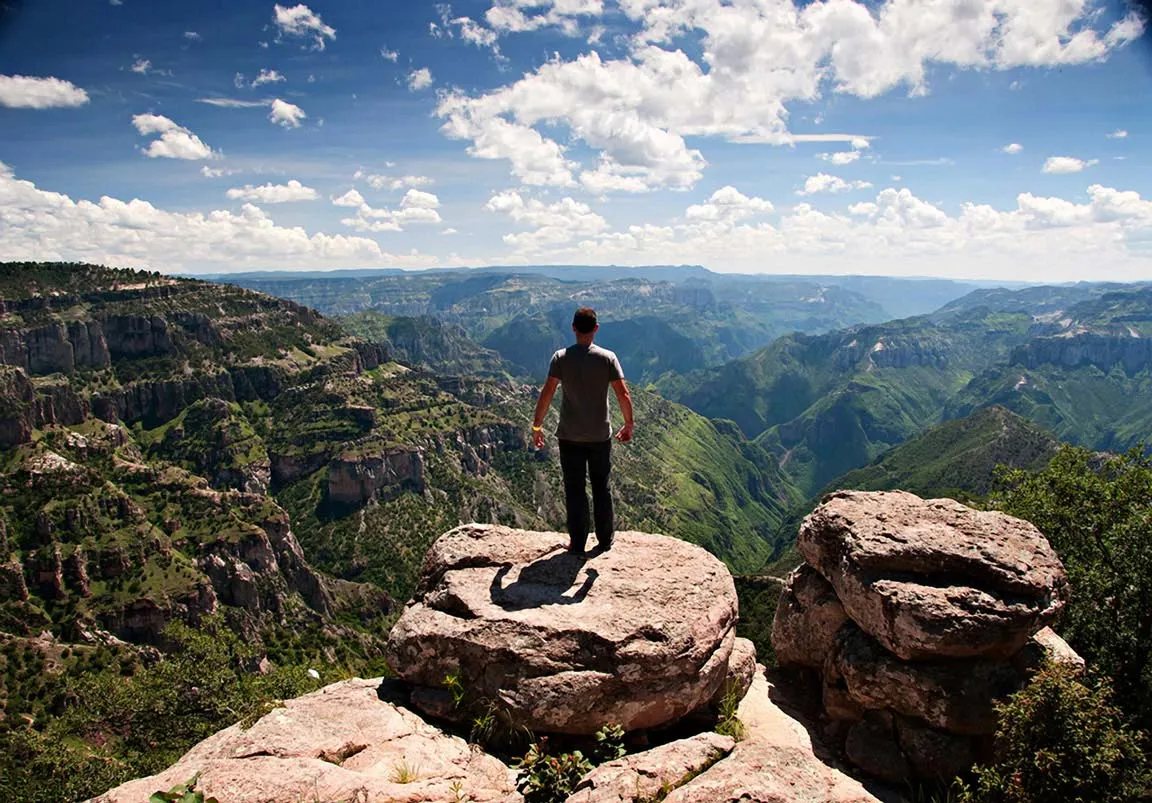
x=585, y=433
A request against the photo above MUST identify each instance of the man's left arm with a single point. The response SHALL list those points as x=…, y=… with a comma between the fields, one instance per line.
x=542, y=405
x=624, y=399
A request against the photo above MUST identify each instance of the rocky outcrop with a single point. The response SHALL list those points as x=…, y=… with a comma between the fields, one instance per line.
x=60, y=405
x=55, y=348
x=640, y=635
x=17, y=408
x=918, y=616
x=647, y=775
x=353, y=479
x=479, y=445
x=776, y=762
x=340, y=743
x=1102, y=350
x=935, y=578
x=804, y=631
x=12, y=585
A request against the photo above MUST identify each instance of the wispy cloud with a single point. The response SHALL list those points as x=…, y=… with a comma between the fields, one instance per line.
x=233, y=103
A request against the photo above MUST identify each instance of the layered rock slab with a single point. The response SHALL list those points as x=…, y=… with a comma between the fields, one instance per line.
x=340, y=743
x=640, y=635
x=648, y=775
x=934, y=578
x=776, y=762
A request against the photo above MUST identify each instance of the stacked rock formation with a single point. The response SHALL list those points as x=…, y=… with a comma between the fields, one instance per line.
x=918, y=616
x=640, y=636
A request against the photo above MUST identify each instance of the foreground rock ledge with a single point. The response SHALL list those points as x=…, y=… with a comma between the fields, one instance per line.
x=340, y=743
x=640, y=635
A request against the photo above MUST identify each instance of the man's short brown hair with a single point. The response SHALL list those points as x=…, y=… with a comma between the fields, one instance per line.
x=584, y=321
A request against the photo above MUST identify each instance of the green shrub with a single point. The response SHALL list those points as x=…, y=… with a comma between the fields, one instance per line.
x=1061, y=740
x=543, y=778
x=1096, y=514
x=728, y=724
x=184, y=793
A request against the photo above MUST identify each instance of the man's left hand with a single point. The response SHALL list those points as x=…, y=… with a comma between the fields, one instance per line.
x=625, y=434
x=538, y=438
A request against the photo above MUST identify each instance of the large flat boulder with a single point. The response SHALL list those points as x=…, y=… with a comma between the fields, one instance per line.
x=639, y=636
x=933, y=578
x=337, y=744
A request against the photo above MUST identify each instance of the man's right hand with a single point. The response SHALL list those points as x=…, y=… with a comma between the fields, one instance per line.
x=538, y=438
x=625, y=433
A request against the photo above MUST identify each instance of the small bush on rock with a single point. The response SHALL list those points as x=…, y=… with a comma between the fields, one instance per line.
x=184, y=793
x=1061, y=740
x=543, y=778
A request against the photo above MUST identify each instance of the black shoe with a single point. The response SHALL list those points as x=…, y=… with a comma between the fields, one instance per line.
x=577, y=548
x=602, y=545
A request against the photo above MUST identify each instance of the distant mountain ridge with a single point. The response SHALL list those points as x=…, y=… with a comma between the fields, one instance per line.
x=1075, y=360
x=667, y=319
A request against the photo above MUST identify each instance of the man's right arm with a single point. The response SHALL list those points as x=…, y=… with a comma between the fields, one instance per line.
x=624, y=399
x=542, y=405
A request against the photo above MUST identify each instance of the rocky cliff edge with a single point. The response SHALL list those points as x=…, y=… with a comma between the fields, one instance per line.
x=640, y=635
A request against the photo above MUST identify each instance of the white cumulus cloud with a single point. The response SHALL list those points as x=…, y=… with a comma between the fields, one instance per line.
x=1119, y=133
x=636, y=109
x=28, y=92
x=415, y=207
x=381, y=182
x=1066, y=164
x=729, y=205
x=175, y=142
x=301, y=22
x=822, y=182
x=37, y=224
x=841, y=157
x=351, y=198
x=267, y=76
x=286, y=114
x=1013, y=148
x=420, y=79
x=552, y=224
x=274, y=193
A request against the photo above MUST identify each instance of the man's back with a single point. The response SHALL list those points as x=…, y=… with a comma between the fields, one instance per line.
x=585, y=372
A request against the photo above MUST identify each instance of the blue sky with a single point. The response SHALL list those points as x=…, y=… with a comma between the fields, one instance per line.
x=978, y=138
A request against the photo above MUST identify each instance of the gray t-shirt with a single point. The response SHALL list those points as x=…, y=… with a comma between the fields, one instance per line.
x=585, y=374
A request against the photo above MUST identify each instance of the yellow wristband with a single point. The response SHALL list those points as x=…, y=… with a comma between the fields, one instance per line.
x=537, y=429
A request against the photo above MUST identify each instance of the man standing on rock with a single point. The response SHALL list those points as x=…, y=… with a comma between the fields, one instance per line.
x=585, y=433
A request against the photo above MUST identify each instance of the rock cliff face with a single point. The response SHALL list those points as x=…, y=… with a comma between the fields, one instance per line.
x=355, y=479
x=917, y=617
x=1104, y=351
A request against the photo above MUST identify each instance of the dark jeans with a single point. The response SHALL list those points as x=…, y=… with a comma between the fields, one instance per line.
x=595, y=460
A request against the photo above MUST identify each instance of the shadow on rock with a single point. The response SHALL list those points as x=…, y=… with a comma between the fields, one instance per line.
x=544, y=582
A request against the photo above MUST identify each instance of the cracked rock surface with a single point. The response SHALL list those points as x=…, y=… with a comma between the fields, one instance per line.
x=341, y=743
x=933, y=578
x=640, y=635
